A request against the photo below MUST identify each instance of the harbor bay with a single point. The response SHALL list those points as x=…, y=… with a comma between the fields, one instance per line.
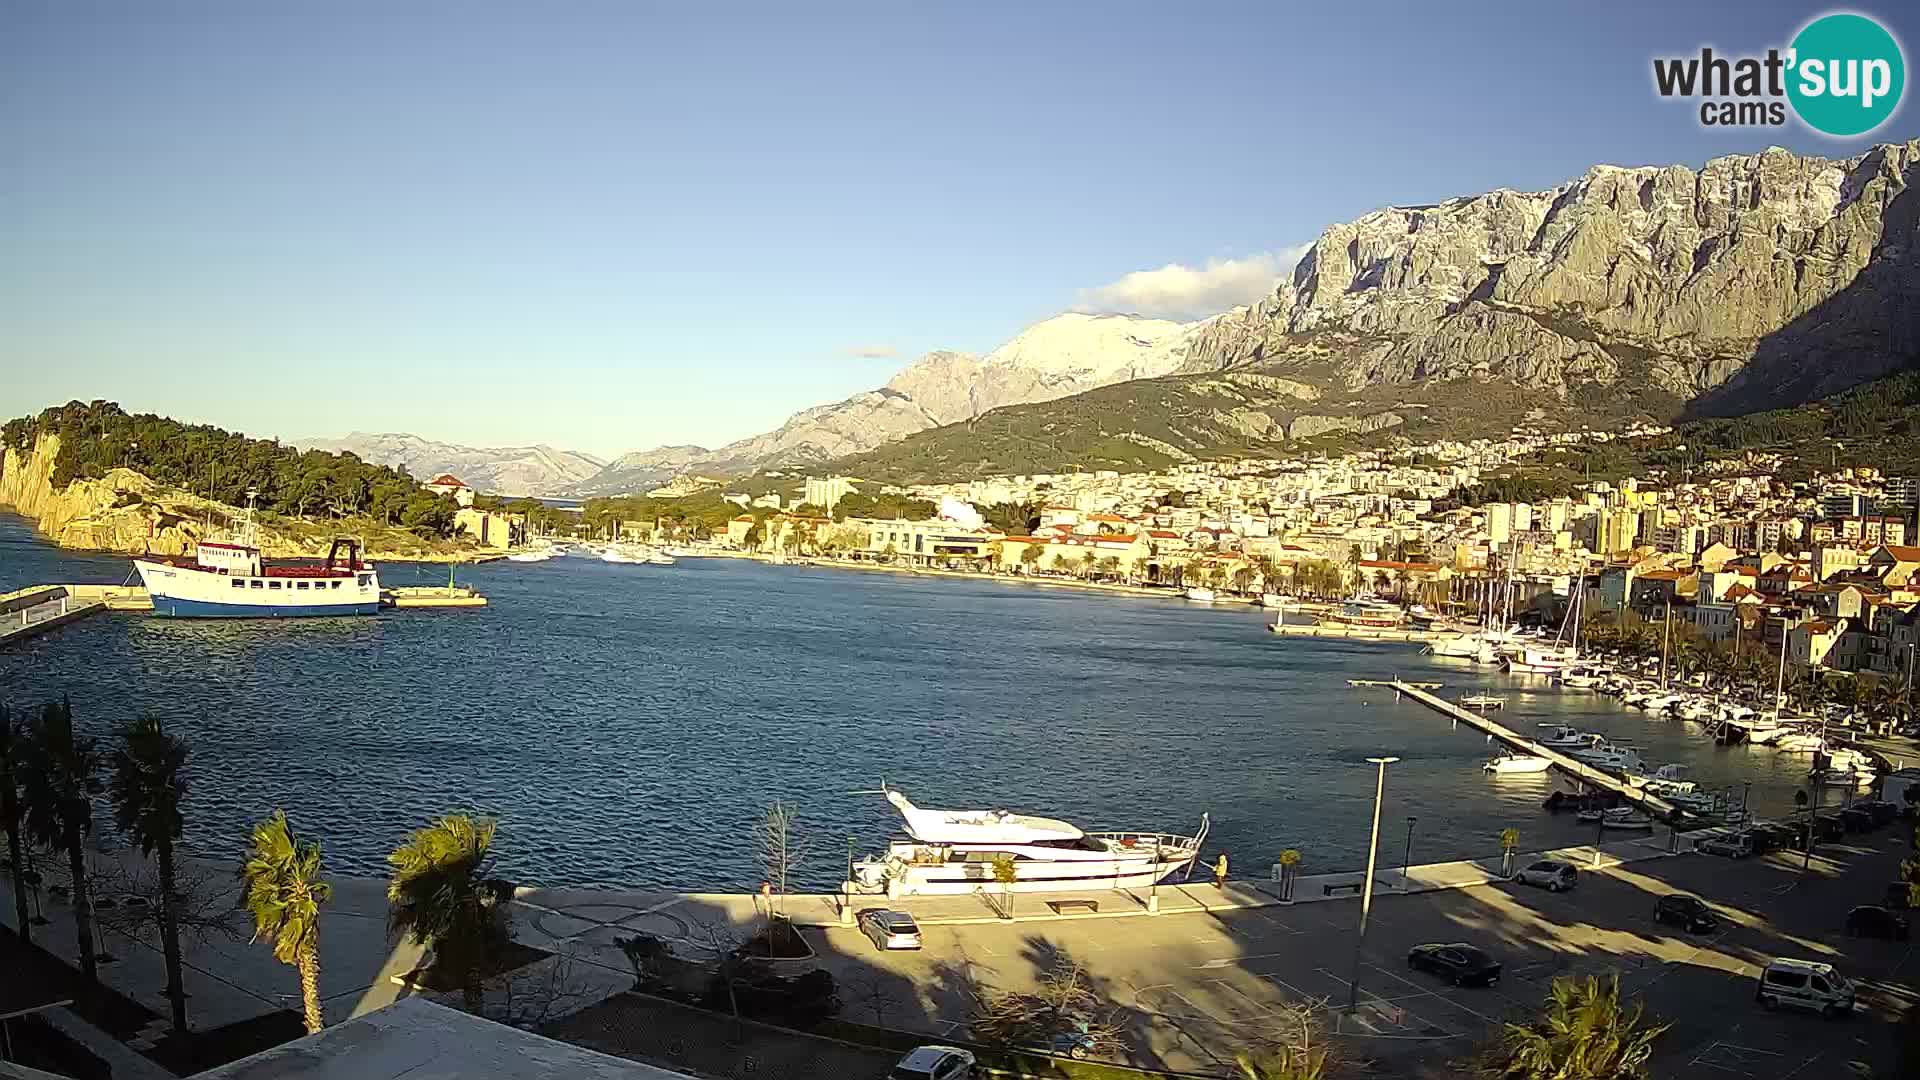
x=630, y=724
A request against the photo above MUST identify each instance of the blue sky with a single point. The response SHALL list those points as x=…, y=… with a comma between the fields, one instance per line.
x=608, y=226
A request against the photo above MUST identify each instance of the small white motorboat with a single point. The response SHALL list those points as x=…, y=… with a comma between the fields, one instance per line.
x=1483, y=701
x=1620, y=817
x=1201, y=596
x=1561, y=737
x=1518, y=763
x=1272, y=600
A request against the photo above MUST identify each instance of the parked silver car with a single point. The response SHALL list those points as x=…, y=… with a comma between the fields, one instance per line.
x=890, y=929
x=1548, y=874
x=934, y=1063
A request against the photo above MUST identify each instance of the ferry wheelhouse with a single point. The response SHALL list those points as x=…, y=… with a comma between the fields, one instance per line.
x=229, y=579
x=952, y=852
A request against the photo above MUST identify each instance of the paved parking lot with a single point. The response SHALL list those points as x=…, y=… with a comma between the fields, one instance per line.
x=1197, y=987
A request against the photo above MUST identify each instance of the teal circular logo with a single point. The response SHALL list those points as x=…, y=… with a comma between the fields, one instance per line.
x=1847, y=75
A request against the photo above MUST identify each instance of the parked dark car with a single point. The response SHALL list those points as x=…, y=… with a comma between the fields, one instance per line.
x=1883, y=811
x=1868, y=920
x=1458, y=963
x=1687, y=912
x=1898, y=893
x=1774, y=837
x=1829, y=827
x=1857, y=820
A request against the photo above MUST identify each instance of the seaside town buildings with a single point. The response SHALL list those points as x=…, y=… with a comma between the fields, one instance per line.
x=1723, y=549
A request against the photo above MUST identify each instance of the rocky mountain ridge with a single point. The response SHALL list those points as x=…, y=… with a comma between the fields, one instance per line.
x=1058, y=357
x=511, y=470
x=1758, y=280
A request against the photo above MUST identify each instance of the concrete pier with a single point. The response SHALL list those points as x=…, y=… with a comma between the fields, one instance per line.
x=30, y=612
x=1573, y=767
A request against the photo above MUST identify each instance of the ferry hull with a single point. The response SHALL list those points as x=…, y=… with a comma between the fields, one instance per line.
x=193, y=593
x=176, y=607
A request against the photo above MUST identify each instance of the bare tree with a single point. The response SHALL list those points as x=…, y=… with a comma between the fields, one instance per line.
x=724, y=942
x=1063, y=1004
x=1294, y=1045
x=540, y=993
x=202, y=897
x=780, y=850
x=875, y=990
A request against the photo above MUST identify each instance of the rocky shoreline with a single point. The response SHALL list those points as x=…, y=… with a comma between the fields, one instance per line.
x=127, y=513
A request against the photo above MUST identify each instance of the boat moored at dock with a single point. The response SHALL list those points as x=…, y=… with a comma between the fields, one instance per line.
x=953, y=852
x=229, y=579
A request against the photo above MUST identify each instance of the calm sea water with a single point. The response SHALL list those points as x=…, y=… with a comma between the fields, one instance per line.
x=629, y=724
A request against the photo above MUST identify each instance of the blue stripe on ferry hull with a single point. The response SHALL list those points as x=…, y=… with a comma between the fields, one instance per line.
x=202, y=609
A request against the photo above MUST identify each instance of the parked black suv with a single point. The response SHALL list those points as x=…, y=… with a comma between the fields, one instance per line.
x=1687, y=912
x=1868, y=920
x=1857, y=819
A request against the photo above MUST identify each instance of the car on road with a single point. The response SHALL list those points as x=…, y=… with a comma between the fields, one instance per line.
x=1459, y=963
x=1803, y=984
x=1871, y=920
x=934, y=1063
x=1730, y=845
x=1549, y=874
x=1883, y=812
x=1687, y=912
x=1774, y=836
x=1858, y=819
x=890, y=929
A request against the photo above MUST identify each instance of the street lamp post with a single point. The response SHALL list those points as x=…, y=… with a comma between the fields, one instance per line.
x=1406, y=860
x=1366, y=886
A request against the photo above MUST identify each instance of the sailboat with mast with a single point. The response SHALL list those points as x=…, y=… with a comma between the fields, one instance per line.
x=1554, y=659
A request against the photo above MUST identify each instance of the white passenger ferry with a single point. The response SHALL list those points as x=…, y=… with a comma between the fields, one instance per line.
x=231, y=580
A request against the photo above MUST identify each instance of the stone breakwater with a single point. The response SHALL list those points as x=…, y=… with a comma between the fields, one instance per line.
x=129, y=513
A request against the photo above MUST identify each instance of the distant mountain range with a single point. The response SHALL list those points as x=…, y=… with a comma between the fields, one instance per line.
x=510, y=470
x=1757, y=281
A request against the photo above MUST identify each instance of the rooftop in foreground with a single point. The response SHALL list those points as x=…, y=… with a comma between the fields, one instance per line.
x=419, y=1040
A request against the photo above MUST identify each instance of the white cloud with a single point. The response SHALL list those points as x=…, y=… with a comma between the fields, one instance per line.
x=1188, y=292
x=872, y=352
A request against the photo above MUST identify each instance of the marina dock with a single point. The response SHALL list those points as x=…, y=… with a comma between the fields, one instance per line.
x=36, y=609
x=1579, y=770
x=431, y=596
x=1351, y=633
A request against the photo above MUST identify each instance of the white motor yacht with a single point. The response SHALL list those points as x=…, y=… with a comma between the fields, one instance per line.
x=1561, y=737
x=1800, y=743
x=952, y=852
x=1518, y=763
x=1202, y=596
x=1607, y=756
x=1483, y=701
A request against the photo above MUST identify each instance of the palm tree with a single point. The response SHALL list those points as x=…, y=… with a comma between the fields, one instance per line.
x=10, y=821
x=1584, y=1034
x=284, y=892
x=147, y=788
x=1087, y=559
x=441, y=895
x=1029, y=555
x=62, y=777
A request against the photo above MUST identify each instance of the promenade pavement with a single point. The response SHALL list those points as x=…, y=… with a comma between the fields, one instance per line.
x=1215, y=970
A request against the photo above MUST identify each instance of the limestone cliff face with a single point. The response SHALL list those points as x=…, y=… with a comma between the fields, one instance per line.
x=126, y=512
x=1758, y=280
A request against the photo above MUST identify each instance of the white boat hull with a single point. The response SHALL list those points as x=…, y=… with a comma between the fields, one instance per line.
x=186, y=592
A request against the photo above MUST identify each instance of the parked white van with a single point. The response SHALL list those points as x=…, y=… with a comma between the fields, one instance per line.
x=1803, y=984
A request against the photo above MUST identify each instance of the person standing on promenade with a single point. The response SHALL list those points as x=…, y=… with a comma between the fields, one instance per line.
x=1220, y=871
